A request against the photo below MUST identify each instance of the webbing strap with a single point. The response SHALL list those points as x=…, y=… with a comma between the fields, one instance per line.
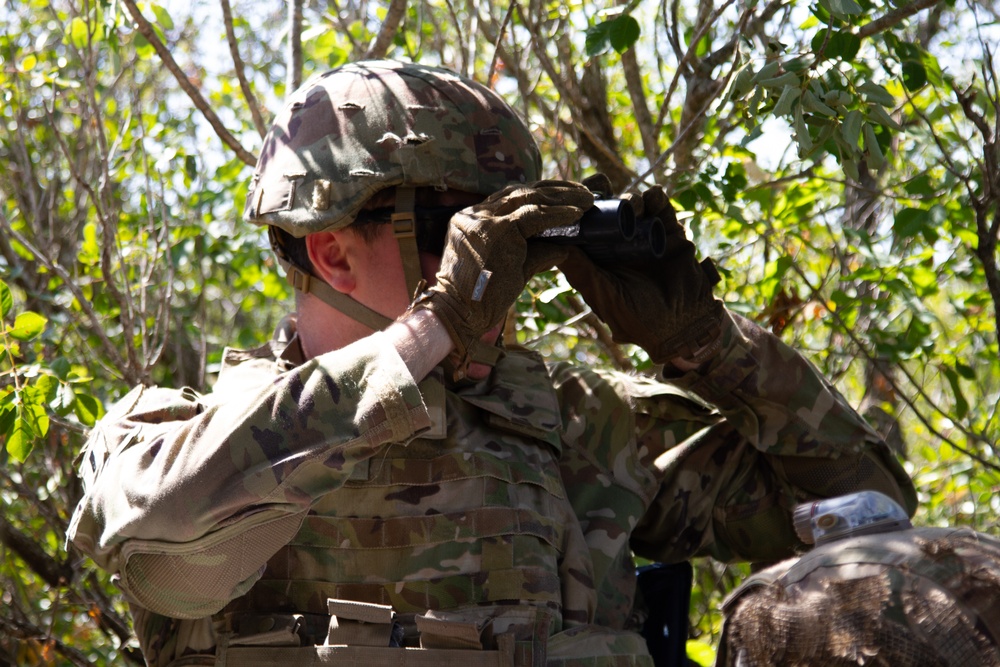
x=367, y=656
x=354, y=309
x=404, y=228
x=484, y=353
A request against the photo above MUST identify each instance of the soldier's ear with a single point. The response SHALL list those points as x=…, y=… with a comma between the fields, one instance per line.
x=330, y=254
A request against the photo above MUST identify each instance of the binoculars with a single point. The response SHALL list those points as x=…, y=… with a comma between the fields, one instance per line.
x=609, y=234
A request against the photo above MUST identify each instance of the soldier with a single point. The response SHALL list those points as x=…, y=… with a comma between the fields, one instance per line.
x=385, y=469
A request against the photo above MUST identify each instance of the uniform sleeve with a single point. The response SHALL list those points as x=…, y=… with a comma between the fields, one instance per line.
x=186, y=497
x=774, y=433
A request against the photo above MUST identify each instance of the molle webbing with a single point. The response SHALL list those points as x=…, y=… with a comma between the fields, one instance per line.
x=368, y=656
x=501, y=586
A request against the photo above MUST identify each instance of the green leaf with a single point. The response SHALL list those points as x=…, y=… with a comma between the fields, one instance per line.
x=143, y=47
x=788, y=97
x=77, y=33
x=837, y=98
x=191, y=166
x=812, y=103
x=90, y=251
x=877, y=112
x=966, y=371
x=700, y=652
x=961, y=403
x=840, y=44
x=920, y=186
x=802, y=133
x=876, y=93
x=875, y=157
x=850, y=129
x=623, y=33
x=924, y=279
x=30, y=423
x=27, y=326
x=598, y=37
x=797, y=64
x=844, y=45
x=786, y=79
x=7, y=414
x=914, y=75
x=162, y=17
x=850, y=168
x=773, y=273
x=741, y=84
x=841, y=8
x=88, y=409
x=60, y=367
x=906, y=50
x=911, y=222
x=44, y=389
x=20, y=439
x=6, y=300
x=767, y=71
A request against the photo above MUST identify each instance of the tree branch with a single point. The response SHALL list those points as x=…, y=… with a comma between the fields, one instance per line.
x=855, y=338
x=604, y=339
x=643, y=118
x=497, y=43
x=394, y=16
x=568, y=88
x=41, y=563
x=294, y=63
x=251, y=99
x=26, y=631
x=146, y=30
x=894, y=17
x=345, y=29
x=98, y=330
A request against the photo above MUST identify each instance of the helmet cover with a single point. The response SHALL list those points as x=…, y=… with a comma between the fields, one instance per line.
x=353, y=131
x=919, y=596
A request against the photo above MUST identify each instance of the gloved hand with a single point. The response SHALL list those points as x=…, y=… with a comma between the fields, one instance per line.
x=663, y=305
x=487, y=260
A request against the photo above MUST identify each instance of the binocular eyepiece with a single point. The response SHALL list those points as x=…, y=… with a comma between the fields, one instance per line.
x=609, y=234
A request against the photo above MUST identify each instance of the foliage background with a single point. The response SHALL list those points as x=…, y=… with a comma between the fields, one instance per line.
x=837, y=157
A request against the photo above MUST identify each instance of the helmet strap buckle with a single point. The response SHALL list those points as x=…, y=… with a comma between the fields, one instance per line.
x=404, y=228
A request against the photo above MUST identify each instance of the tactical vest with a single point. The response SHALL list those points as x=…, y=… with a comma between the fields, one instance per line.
x=920, y=596
x=470, y=520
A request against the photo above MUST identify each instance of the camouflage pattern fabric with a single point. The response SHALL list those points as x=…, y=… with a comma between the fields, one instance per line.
x=520, y=497
x=920, y=596
x=371, y=125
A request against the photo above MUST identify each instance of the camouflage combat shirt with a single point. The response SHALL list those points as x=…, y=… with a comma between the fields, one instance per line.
x=525, y=494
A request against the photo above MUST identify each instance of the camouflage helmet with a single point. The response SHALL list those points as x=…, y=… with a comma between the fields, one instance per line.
x=917, y=596
x=371, y=125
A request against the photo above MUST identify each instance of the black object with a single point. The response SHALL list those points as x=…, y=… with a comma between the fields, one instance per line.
x=609, y=233
x=666, y=590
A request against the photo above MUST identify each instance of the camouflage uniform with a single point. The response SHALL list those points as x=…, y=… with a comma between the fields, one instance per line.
x=509, y=507
x=351, y=481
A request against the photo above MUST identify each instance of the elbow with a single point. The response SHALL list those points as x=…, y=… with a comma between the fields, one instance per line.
x=196, y=579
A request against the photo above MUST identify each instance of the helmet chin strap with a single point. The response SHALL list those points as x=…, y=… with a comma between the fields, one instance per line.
x=404, y=225
x=404, y=230
x=354, y=309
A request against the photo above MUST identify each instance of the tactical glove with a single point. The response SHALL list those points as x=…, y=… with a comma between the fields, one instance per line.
x=487, y=260
x=664, y=305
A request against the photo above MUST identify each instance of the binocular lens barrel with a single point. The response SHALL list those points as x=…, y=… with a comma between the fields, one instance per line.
x=656, y=232
x=608, y=221
x=610, y=234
